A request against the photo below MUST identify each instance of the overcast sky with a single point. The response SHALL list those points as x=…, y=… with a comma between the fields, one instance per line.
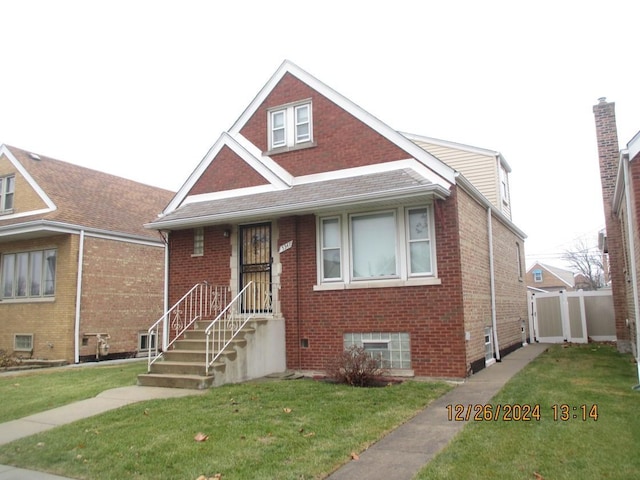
x=142, y=89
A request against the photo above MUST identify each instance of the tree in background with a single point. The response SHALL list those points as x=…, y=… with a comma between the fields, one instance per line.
x=587, y=261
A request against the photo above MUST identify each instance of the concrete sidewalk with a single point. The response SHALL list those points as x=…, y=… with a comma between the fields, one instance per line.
x=399, y=455
x=402, y=453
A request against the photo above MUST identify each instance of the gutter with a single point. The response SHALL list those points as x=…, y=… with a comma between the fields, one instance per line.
x=76, y=332
x=492, y=281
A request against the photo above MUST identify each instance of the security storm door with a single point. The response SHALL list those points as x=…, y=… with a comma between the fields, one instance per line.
x=255, y=266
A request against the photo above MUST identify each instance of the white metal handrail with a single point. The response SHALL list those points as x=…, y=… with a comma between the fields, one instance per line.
x=256, y=298
x=200, y=302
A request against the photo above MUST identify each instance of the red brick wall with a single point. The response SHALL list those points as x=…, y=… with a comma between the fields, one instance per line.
x=185, y=270
x=433, y=315
x=227, y=172
x=342, y=141
x=608, y=155
x=122, y=292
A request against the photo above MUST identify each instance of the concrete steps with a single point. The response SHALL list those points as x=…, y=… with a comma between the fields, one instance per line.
x=184, y=365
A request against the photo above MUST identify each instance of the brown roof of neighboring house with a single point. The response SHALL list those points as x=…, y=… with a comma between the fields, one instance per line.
x=91, y=199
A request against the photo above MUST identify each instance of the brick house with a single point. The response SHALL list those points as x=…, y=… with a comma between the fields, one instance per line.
x=77, y=268
x=549, y=278
x=358, y=234
x=620, y=177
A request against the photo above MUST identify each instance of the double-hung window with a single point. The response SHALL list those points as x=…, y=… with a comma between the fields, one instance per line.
x=389, y=244
x=29, y=274
x=290, y=125
x=7, y=188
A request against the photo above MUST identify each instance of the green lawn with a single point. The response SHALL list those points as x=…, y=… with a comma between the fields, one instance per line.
x=555, y=448
x=43, y=389
x=295, y=429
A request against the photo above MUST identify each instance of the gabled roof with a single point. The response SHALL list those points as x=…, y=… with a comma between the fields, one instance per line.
x=439, y=173
x=565, y=276
x=79, y=198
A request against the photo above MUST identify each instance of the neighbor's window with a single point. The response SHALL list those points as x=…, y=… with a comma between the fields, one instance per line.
x=290, y=126
x=29, y=274
x=392, y=244
x=198, y=241
x=537, y=275
x=23, y=342
x=392, y=349
x=7, y=188
x=146, y=342
x=504, y=185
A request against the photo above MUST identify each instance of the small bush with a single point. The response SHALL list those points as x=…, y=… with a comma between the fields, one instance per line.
x=356, y=367
x=6, y=360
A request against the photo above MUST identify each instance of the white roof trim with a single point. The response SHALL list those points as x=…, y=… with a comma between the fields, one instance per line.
x=459, y=146
x=410, y=163
x=51, y=207
x=444, y=172
x=277, y=177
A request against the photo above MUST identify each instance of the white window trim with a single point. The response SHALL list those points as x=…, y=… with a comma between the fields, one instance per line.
x=403, y=277
x=290, y=123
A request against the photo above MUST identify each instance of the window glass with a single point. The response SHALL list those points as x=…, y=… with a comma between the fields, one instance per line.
x=35, y=273
x=374, y=245
x=7, y=186
x=277, y=129
x=198, y=241
x=22, y=264
x=419, y=241
x=8, y=271
x=331, y=264
x=49, y=272
x=302, y=124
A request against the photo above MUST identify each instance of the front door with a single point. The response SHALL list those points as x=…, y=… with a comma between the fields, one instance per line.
x=255, y=265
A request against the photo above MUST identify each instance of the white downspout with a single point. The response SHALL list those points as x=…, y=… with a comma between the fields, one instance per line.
x=76, y=332
x=632, y=257
x=494, y=321
x=165, y=326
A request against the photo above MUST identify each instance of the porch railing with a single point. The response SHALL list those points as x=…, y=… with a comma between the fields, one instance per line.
x=256, y=298
x=201, y=302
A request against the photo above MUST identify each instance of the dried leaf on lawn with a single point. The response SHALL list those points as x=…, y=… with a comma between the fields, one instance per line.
x=200, y=437
x=355, y=456
x=286, y=410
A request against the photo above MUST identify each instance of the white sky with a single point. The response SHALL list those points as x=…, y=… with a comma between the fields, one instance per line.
x=142, y=89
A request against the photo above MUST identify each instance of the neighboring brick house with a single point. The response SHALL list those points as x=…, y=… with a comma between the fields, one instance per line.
x=620, y=177
x=362, y=236
x=75, y=259
x=549, y=278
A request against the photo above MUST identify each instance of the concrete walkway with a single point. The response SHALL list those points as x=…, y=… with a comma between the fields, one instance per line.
x=399, y=455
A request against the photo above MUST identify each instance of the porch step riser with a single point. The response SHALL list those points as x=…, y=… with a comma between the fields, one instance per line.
x=168, y=368
x=192, y=356
x=201, y=345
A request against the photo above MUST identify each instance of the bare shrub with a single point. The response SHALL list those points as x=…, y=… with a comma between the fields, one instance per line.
x=6, y=360
x=356, y=367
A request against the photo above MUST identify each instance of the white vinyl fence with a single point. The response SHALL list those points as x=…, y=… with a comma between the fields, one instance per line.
x=558, y=317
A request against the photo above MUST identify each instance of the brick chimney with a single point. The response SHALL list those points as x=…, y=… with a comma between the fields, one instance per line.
x=609, y=155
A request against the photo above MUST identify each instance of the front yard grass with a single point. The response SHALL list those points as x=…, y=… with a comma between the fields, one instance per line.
x=562, y=447
x=39, y=390
x=296, y=429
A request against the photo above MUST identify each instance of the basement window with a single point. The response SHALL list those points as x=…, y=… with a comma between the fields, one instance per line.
x=146, y=341
x=23, y=342
x=392, y=348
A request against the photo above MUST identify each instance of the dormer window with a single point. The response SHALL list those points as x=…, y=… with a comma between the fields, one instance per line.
x=290, y=125
x=7, y=188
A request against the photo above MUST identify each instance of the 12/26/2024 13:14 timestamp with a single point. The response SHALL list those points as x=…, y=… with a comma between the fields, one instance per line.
x=560, y=412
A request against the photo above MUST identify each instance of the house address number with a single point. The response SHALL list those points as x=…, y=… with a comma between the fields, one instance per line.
x=285, y=246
